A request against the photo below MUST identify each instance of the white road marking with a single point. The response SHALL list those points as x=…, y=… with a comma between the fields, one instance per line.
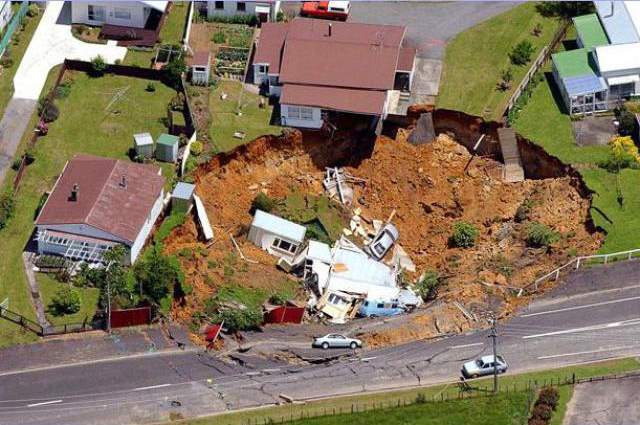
x=475, y=344
x=44, y=403
x=366, y=359
x=602, y=350
x=151, y=387
x=581, y=306
x=587, y=328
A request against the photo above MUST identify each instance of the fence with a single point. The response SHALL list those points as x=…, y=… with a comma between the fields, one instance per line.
x=542, y=58
x=420, y=398
x=576, y=263
x=131, y=317
x=22, y=321
x=13, y=25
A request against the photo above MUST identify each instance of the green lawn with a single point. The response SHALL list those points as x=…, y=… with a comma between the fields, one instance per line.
x=141, y=58
x=88, y=297
x=471, y=412
x=225, y=120
x=84, y=126
x=16, y=51
x=565, y=393
x=545, y=121
x=172, y=31
x=475, y=59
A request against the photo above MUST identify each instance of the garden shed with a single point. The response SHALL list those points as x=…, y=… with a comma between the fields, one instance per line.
x=276, y=235
x=182, y=196
x=200, y=66
x=143, y=145
x=167, y=148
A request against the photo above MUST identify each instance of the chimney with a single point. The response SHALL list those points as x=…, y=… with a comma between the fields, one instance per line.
x=123, y=182
x=75, y=192
x=330, y=28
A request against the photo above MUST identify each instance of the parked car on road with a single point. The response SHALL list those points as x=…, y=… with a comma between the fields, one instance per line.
x=484, y=366
x=336, y=10
x=336, y=341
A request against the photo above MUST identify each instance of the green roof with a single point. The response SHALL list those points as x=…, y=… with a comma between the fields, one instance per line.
x=590, y=31
x=574, y=63
x=167, y=139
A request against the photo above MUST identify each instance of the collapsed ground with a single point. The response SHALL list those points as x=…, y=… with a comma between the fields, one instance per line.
x=429, y=189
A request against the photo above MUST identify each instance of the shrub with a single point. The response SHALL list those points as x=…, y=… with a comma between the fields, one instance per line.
x=174, y=220
x=6, y=62
x=537, y=30
x=464, y=234
x=249, y=19
x=623, y=153
x=219, y=38
x=278, y=299
x=542, y=411
x=117, y=62
x=428, y=284
x=33, y=10
x=7, y=205
x=151, y=87
x=626, y=123
x=564, y=9
x=420, y=398
x=63, y=90
x=240, y=319
x=506, y=77
x=262, y=202
x=549, y=396
x=98, y=66
x=172, y=72
x=197, y=148
x=524, y=209
x=540, y=235
x=65, y=301
x=177, y=102
x=521, y=53
x=48, y=110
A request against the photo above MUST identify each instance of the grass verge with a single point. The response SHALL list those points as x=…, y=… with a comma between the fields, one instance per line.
x=474, y=60
x=172, y=32
x=254, y=121
x=315, y=408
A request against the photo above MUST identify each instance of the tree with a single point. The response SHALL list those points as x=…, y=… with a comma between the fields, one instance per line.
x=464, y=235
x=521, y=53
x=158, y=273
x=172, y=72
x=623, y=153
x=65, y=301
x=564, y=9
x=626, y=123
x=262, y=202
x=506, y=77
x=48, y=110
x=428, y=284
x=98, y=66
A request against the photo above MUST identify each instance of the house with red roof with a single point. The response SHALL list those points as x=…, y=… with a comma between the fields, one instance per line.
x=98, y=203
x=317, y=67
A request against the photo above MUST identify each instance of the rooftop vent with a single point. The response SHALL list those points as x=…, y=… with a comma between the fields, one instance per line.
x=123, y=182
x=75, y=193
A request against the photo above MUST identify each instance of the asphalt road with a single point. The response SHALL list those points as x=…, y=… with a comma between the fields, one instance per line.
x=574, y=324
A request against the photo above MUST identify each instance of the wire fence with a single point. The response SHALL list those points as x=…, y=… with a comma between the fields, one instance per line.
x=462, y=391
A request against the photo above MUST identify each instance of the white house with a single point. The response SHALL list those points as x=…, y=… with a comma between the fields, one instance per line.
x=5, y=14
x=133, y=14
x=276, y=235
x=266, y=11
x=97, y=203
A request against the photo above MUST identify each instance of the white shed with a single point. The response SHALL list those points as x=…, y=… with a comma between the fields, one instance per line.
x=276, y=235
x=143, y=145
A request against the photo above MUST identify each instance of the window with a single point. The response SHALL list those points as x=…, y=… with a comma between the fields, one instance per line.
x=380, y=305
x=199, y=69
x=121, y=13
x=241, y=6
x=96, y=13
x=219, y=5
x=262, y=69
x=336, y=300
x=300, y=113
x=284, y=245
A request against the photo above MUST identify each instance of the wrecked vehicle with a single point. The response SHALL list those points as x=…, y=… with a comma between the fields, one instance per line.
x=383, y=241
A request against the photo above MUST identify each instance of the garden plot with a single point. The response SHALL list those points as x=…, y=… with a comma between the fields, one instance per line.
x=520, y=230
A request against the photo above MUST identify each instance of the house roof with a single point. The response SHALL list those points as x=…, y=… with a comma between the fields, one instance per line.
x=583, y=84
x=104, y=202
x=319, y=251
x=270, y=44
x=406, y=58
x=590, y=31
x=617, y=21
x=279, y=226
x=339, y=99
x=157, y=5
x=618, y=57
x=573, y=63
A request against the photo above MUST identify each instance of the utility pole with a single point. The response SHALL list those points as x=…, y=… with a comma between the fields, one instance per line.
x=494, y=336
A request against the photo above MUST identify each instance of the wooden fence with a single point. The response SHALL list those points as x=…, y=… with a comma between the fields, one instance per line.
x=538, y=63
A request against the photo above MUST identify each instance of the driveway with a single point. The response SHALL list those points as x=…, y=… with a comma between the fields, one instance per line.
x=51, y=44
x=613, y=402
x=430, y=25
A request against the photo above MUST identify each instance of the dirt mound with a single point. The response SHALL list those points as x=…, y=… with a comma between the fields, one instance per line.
x=430, y=187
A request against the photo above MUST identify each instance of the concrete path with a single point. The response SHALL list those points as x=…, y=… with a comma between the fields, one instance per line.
x=51, y=44
x=34, y=290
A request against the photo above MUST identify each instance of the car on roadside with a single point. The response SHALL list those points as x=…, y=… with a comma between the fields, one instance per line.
x=336, y=341
x=484, y=366
x=334, y=10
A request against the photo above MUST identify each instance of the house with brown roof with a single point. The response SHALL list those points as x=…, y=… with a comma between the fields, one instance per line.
x=316, y=67
x=98, y=203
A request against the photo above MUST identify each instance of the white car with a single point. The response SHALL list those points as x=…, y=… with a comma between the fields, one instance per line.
x=336, y=341
x=484, y=366
x=383, y=241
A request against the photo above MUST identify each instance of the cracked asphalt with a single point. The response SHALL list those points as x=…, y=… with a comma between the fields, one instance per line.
x=580, y=321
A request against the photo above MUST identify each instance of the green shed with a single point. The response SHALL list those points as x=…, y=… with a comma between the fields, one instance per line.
x=167, y=148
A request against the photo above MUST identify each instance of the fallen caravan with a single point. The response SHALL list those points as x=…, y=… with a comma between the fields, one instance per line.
x=276, y=235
